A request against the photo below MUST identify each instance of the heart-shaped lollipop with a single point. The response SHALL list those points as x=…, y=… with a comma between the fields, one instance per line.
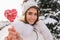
x=10, y=14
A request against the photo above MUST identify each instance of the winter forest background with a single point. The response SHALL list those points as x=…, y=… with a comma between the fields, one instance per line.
x=50, y=15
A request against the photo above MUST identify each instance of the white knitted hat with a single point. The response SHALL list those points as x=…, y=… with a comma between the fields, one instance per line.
x=28, y=4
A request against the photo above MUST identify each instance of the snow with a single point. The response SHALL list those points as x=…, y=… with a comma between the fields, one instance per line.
x=49, y=20
x=57, y=13
x=58, y=1
x=41, y=17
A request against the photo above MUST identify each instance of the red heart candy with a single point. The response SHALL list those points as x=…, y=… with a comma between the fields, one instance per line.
x=10, y=14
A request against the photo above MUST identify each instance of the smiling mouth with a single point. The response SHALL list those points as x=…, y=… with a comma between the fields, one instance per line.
x=32, y=21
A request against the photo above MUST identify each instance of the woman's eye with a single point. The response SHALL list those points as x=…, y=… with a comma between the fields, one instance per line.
x=30, y=13
x=35, y=14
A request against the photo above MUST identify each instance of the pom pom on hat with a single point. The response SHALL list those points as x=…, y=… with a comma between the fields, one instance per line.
x=28, y=4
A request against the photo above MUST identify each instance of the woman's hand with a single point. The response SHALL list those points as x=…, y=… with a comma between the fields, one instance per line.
x=13, y=35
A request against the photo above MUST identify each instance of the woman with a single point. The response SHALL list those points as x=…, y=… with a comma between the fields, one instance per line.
x=30, y=28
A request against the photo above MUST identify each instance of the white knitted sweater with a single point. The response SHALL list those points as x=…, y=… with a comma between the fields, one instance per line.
x=37, y=32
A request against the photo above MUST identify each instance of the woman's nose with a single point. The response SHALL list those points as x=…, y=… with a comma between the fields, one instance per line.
x=32, y=16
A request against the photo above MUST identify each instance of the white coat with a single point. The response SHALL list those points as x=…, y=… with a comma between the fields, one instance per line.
x=37, y=32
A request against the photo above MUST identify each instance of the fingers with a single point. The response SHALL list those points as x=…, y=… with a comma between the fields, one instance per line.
x=12, y=29
x=13, y=34
x=12, y=37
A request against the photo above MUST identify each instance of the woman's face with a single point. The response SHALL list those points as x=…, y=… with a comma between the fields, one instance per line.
x=31, y=15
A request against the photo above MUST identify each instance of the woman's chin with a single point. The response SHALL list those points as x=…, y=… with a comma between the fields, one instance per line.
x=31, y=23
